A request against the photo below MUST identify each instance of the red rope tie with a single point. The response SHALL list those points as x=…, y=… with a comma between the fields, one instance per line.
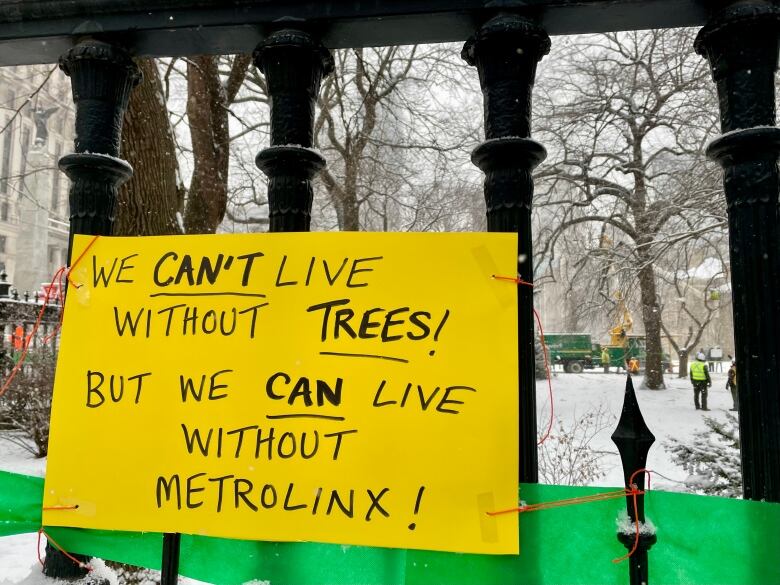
x=76, y=263
x=59, y=280
x=515, y=279
x=561, y=503
x=549, y=379
x=28, y=339
x=53, y=542
x=632, y=491
x=518, y=280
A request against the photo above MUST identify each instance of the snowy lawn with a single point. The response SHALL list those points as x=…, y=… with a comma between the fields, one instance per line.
x=668, y=413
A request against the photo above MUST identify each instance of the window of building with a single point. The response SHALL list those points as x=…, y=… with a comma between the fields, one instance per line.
x=2, y=243
x=5, y=158
x=54, y=259
x=56, y=185
x=25, y=150
x=4, y=207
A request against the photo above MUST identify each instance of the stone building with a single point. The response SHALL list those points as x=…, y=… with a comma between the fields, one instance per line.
x=36, y=121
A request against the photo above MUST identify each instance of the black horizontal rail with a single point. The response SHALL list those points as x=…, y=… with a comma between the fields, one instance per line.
x=39, y=31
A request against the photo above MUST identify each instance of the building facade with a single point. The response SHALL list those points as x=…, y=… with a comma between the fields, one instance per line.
x=36, y=128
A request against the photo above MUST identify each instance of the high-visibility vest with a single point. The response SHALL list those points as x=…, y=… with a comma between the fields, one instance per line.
x=17, y=338
x=698, y=371
x=633, y=366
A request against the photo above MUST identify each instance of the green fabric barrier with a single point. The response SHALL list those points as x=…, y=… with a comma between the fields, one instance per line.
x=702, y=540
x=21, y=498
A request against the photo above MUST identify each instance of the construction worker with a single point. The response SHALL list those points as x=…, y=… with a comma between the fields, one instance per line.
x=605, y=359
x=731, y=384
x=700, y=378
x=17, y=342
x=633, y=365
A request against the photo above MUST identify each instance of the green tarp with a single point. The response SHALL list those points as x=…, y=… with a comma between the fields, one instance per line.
x=702, y=540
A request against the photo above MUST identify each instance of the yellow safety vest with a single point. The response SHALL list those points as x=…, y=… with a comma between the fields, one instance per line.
x=698, y=371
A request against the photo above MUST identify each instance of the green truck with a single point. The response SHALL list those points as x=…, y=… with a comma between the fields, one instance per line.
x=578, y=352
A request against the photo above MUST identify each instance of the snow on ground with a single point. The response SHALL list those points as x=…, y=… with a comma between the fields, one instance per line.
x=668, y=413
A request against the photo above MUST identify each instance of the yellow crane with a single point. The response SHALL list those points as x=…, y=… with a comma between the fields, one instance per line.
x=618, y=335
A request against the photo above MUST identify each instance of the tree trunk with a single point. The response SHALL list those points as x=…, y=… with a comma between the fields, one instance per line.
x=148, y=203
x=208, y=116
x=682, y=371
x=651, y=316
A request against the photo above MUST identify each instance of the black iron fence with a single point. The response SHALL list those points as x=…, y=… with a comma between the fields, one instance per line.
x=19, y=314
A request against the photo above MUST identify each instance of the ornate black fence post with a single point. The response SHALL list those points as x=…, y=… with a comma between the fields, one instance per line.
x=633, y=440
x=293, y=64
x=102, y=77
x=505, y=51
x=741, y=44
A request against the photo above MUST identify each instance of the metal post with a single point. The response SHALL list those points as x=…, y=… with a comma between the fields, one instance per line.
x=102, y=77
x=741, y=44
x=293, y=64
x=170, y=558
x=633, y=440
x=505, y=51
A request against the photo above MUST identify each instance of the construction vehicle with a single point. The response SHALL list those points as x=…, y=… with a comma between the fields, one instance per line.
x=577, y=351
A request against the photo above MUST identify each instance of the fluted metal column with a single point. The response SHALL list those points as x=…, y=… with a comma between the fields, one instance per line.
x=293, y=64
x=102, y=76
x=505, y=51
x=741, y=44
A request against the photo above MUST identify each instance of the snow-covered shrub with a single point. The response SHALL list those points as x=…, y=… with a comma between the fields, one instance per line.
x=566, y=456
x=26, y=405
x=131, y=575
x=712, y=459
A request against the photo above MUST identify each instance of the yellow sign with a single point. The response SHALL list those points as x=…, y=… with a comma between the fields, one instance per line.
x=346, y=388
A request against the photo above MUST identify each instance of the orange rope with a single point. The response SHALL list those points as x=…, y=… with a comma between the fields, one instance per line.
x=515, y=279
x=74, y=507
x=549, y=379
x=635, y=492
x=518, y=280
x=28, y=339
x=59, y=548
x=567, y=502
x=632, y=491
x=58, y=278
x=76, y=263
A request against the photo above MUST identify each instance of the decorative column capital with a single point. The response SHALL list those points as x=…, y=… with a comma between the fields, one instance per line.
x=505, y=51
x=298, y=40
x=93, y=50
x=741, y=45
x=102, y=77
x=504, y=35
x=294, y=64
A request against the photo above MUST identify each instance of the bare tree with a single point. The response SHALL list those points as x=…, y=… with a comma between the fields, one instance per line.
x=626, y=117
x=152, y=199
x=380, y=119
x=698, y=273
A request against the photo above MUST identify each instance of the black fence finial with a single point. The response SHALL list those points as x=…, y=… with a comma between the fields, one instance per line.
x=633, y=440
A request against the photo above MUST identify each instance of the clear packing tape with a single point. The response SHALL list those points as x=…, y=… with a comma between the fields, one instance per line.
x=701, y=540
